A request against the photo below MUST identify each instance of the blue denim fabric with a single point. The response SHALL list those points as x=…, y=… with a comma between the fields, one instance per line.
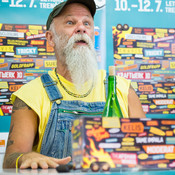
x=57, y=139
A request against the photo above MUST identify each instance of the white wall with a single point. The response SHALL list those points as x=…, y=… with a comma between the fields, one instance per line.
x=3, y=138
x=1, y=159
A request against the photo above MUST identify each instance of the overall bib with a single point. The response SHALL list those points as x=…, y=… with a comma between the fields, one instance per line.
x=57, y=139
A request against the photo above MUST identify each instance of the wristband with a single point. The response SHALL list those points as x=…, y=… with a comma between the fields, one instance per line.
x=17, y=162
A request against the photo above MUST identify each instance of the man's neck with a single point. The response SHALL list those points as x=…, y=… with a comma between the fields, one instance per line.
x=62, y=70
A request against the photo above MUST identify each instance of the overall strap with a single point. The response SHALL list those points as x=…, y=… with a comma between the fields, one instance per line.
x=51, y=88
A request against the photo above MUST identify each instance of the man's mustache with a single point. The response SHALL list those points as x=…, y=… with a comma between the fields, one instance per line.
x=84, y=38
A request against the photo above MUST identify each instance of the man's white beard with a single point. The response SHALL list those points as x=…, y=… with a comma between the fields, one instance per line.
x=81, y=60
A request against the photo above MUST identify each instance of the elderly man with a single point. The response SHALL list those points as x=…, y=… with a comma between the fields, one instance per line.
x=43, y=109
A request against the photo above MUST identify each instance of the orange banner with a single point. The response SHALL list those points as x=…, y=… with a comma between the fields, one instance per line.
x=136, y=127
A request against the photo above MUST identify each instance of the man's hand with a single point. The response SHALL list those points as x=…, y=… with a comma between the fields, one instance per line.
x=35, y=160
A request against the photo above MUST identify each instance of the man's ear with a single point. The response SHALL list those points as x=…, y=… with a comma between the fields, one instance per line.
x=50, y=38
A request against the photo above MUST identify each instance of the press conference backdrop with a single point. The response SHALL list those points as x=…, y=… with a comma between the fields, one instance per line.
x=137, y=36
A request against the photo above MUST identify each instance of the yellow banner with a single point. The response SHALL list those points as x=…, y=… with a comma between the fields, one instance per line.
x=32, y=27
x=6, y=48
x=3, y=85
x=172, y=65
x=130, y=50
x=51, y=63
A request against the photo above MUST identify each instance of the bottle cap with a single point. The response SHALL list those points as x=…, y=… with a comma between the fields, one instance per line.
x=112, y=70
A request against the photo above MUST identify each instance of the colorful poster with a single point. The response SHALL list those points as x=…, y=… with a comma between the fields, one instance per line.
x=140, y=42
x=146, y=56
x=120, y=145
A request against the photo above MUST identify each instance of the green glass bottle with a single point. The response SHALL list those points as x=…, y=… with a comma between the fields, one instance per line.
x=112, y=107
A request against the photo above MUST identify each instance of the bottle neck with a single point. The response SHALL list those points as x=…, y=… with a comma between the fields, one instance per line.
x=111, y=84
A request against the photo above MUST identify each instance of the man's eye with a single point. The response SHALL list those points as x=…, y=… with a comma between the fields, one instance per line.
x=86, y=24
x=69, y=22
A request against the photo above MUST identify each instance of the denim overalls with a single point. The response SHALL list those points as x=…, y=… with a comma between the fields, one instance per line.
x=57, y=137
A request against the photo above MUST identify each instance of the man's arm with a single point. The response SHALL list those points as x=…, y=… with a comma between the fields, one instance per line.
x=135, y=109
x=23, y=130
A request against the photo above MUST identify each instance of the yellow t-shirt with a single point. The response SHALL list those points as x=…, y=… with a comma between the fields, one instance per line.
x=35, y=96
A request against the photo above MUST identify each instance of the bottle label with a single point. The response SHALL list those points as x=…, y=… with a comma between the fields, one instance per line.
x=111, y=122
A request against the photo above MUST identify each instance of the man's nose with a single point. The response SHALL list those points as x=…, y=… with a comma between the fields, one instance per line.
x=80, y=28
